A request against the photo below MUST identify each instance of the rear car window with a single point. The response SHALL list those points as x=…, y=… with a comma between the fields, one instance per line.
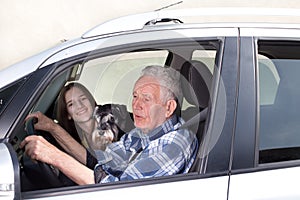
x=279, y=98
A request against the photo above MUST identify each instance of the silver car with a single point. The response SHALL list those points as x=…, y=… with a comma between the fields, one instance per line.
x=241, y=98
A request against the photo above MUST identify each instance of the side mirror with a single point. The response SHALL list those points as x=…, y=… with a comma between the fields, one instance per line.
x=9, y=173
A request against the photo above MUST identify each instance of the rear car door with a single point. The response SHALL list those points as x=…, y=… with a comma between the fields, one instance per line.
x=266, y=161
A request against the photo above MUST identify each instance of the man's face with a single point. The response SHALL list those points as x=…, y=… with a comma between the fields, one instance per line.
x=148, y=110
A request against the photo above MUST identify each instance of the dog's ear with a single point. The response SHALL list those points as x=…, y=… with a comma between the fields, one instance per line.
x=122, y=117
x=95, y=113
x=119, y=111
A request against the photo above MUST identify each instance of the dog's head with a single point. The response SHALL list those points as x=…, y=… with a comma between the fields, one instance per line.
x=106, y=130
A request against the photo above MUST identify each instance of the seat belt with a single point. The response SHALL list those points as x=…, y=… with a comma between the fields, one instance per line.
x=201, y=116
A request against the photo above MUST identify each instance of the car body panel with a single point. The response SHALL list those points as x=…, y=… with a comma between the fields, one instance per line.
x=27, y=66
x=175, y=190
x=245, y=138
x=132, y=38
x=9, y=173
x=263, y=185
x=292, y=31
x=7, y=183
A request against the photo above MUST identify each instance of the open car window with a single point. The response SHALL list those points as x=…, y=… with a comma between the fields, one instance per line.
x=110, y=80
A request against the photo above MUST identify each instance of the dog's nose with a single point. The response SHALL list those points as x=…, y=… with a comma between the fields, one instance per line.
x=104, y=126
x=101, y=132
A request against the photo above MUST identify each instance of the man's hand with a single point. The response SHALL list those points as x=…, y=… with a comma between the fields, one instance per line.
x=43, y=122
x=37, y=148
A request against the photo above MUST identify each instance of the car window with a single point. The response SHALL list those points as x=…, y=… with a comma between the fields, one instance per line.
x=110, y=80
x=206, y=56
x=268, y=82
x=279, y=98
x=7, y=93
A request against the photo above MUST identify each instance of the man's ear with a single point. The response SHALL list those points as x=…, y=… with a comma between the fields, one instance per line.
x=170, y=107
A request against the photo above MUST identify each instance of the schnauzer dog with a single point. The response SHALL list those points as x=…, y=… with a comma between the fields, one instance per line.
x=106, y=130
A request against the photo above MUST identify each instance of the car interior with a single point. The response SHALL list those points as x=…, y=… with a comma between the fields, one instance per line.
x=110, y=80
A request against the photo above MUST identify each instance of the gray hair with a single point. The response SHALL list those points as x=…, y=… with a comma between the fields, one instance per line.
x=169, y=79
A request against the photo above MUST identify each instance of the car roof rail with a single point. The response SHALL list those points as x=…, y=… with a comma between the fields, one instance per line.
x=163, y=20
x=139, y=21
x=122, y=24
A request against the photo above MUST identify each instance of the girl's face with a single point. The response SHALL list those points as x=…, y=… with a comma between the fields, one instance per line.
x=78, y=105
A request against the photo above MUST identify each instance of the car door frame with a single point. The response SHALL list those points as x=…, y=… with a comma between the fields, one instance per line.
x=217, y=174
x=248, y=179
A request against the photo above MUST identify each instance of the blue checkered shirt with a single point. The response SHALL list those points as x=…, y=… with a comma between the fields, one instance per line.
x=164, y=151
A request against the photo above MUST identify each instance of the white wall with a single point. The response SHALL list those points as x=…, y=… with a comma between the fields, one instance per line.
x=30, y=26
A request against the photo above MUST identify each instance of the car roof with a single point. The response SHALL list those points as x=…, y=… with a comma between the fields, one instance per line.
x=227, y=16
x=224, y=17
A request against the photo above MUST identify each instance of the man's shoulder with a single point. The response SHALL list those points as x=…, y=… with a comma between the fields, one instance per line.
x=184, y=135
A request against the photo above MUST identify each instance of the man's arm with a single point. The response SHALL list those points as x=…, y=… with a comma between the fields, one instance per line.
x=65, y=140
x=69, y=144
x=40, y=149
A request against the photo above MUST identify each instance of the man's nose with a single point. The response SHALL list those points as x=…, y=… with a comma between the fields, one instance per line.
x=137, y=103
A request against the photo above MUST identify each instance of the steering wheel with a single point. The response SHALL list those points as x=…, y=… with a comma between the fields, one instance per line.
x=39, y=172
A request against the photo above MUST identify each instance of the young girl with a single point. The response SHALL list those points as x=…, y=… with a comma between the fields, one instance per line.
x=75, y=109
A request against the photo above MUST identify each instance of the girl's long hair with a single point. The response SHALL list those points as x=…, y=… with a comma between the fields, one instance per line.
x=62, y=112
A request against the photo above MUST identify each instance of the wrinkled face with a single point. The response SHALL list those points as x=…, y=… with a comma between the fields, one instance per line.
x=148, y=110
x=79, y=107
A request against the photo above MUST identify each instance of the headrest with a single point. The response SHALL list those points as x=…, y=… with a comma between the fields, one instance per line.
x=197, y=84
x=122, y=116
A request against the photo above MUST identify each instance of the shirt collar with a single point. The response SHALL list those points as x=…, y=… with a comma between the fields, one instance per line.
x=169, y=125
x=166, y=127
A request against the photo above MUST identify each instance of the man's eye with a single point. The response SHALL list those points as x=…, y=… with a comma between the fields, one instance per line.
x=147, y=98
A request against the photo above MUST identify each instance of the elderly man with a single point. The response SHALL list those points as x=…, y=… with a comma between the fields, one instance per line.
x=156, y=147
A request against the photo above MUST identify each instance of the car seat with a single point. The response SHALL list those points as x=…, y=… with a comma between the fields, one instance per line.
x=196, y=85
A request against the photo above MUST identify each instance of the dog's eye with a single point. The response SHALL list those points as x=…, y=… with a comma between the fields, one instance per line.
x=112, y=119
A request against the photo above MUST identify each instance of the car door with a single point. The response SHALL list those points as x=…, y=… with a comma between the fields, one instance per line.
x=13, y=99
x=108, y=67
x=266, y=162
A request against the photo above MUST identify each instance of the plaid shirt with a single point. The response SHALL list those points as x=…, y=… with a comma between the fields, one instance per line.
x=164, y=151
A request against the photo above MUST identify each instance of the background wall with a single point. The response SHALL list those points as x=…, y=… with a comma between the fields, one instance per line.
x=30, y=26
